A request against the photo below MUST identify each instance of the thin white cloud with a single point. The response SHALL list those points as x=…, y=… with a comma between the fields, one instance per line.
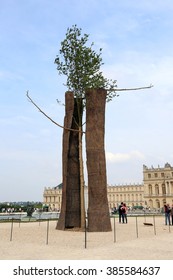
x=15, y=120
x=19, y=155
x=139, y=69
x=7, y=75
x=124, y=157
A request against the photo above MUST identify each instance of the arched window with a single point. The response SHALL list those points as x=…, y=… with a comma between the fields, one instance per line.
x=171, y=187
x=150, y=190
x=163, y=189
x=157, y=203
x=157, y=189
x=150, y=203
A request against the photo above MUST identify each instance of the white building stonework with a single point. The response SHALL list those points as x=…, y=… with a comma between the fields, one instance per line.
x=158, y=185
x=52, y=197
x=132, y=195
x=154, y=192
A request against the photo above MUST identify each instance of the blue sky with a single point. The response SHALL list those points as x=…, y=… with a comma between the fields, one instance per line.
x=137, y=41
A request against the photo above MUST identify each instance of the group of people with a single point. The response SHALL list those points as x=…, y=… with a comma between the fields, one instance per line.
x=122, y=211
x=168, y=214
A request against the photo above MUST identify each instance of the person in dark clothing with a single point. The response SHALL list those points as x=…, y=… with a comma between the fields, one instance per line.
x=120, y=211
x=124, y=213
x=172, y=215
x=167, y=210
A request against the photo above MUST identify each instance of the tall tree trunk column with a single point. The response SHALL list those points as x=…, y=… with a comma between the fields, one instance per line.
x=70, y=215
x=98, y=210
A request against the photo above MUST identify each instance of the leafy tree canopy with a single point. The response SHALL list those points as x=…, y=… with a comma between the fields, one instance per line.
x=81, y=64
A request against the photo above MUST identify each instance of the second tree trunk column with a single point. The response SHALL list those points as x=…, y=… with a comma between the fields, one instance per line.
x=98, y=210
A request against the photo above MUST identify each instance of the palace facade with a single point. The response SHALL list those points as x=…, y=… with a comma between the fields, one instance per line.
x=155, y=191
x=158, y=185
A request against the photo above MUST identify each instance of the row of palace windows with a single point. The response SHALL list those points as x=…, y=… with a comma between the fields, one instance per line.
x=157, y=190
x=156, y=175
x=52, y=199
x=124, y=189
x=123, y=197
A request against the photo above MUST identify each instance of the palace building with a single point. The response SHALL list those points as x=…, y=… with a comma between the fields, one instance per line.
x=155, y=191
x=158, y=185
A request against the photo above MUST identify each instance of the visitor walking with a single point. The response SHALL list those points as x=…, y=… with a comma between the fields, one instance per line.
x=124, y=213
x=167, y=210
x=120, y=211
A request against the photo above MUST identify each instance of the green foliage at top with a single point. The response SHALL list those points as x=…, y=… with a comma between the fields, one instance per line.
x=81, y=64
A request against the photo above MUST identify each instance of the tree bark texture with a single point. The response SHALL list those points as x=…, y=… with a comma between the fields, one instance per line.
x=70, y=215
x=98, y=210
